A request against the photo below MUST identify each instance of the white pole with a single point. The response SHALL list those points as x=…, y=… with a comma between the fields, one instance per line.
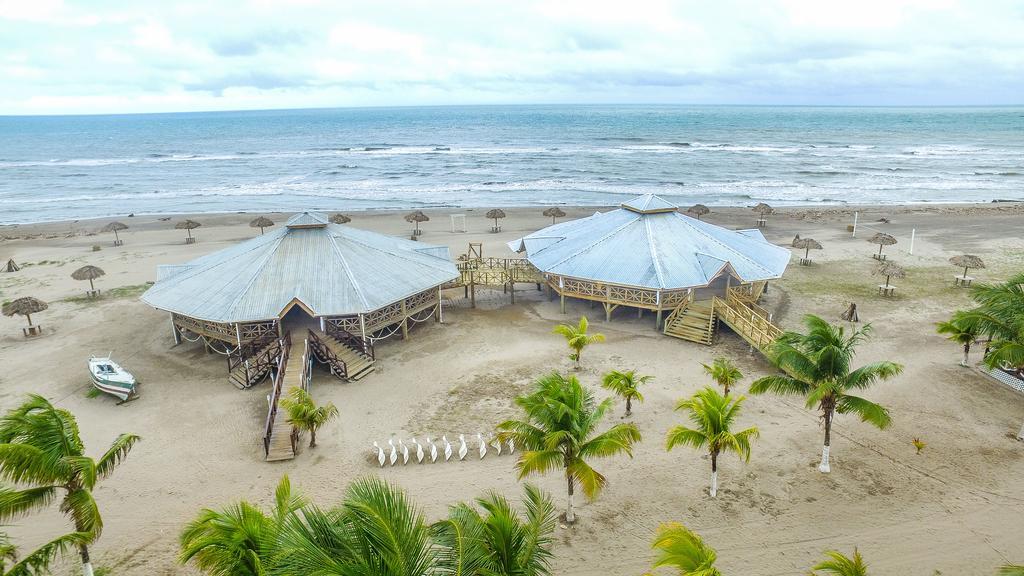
x=855, y=215
x=913, y=232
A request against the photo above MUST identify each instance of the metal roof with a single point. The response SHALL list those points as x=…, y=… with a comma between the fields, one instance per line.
x=646, y=245
x=332, y=269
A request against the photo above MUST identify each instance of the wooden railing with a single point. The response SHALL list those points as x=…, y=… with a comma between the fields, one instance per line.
x=751, y=322
x=349, y=339
x=327, y=356
x=678, y=310
x=254, y=358
x=275, y=394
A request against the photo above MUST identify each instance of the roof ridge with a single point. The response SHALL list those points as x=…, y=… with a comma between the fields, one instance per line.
x=266, y=258
x=654, y=253
x=688, y=221
x=348, y=271
x=587, y=247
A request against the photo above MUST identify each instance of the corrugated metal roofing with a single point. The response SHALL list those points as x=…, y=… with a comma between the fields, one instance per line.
x=643, y=245
x=331, y=268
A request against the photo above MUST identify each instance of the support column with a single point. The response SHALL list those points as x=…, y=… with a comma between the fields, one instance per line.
x=238, y=334
x=437, y=308
x=323, y=325
x=472, y=290
x=607, y=312
x=512, y=291
x=562, y=296
x=175, y=331
x=362, y=326
x=657, y=319
x=405, y=323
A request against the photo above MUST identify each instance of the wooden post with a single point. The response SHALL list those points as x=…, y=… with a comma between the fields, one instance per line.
x=174, y=330
x=238, y=334
x=657, y=319
x=512, y=290
x=562, y=296
x=437, y=308
x=405, y=323
x=362, y=326
x=607, y=312
x=472, y=290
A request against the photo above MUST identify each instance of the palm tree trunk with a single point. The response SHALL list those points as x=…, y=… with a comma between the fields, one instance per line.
x=714, y=474
x=570, y=516
x=824, y=467
x=726, y=389
x=967, y=350
x=83, y=551
x=312, y=437
x=629, y=405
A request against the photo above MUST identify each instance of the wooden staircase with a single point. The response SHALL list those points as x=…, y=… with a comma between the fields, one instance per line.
x=347, y=360
x=250, y=364
x=693, y=321
x=292, y=371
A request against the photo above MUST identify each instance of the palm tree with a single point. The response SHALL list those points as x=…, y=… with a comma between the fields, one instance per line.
x=304, y=414
x=38, y=561
x=239, y=540
x=376, y=530
x=817, y=366
x=42, y=453
x=960, y=330
x=839, y=564
x=1000, y=316
x=684, y=551
x=577, y=338
x=502, y=542
x=626, y=385
x=723, y=372
x=1011, y=570
x=559, y=431
x=713, y=416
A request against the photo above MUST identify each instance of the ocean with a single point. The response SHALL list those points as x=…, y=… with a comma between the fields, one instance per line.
x=73, y=167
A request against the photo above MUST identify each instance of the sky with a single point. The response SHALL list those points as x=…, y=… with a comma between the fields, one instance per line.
x=99, y=56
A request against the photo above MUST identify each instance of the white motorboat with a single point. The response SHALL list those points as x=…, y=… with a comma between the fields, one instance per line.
x=109, y=377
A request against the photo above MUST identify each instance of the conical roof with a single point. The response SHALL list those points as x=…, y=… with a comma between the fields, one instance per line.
x=647, y=243
x=333, y=270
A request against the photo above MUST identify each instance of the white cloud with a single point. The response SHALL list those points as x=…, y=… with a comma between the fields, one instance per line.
x=108, y=56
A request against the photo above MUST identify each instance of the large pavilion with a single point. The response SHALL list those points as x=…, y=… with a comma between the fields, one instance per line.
x=355, y=285
x=647, y=255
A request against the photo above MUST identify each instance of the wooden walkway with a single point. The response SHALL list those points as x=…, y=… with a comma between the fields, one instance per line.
x=279, y=435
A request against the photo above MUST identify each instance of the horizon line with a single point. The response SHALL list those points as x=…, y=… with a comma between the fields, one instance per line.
x=508, y=105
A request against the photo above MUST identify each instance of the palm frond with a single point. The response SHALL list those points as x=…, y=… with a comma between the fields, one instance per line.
x=37, y=562
x=16, y=503
x=114, y=455
x=839, y=564
x=683, y=550
x=867, y=410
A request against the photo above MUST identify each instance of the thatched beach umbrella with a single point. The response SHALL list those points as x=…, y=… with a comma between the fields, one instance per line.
x=89, y=273
x=890, y=270
x=967, y=261
x=26, y=306
x=807, y=244
x=763, y=209
x=115, y=227
x=12, y=266
x=416, y=217
x=554, y=212
x=495, y=215
x=261, y=223
x=698, y=210
x=339, y=218
x=188, y=226
x=883, y=240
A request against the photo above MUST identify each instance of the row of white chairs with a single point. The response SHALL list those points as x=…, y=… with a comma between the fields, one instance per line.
x=429, y=451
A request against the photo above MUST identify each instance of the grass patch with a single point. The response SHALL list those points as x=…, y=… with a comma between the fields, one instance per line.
x=131, y=291
x=853, y=280
x=93, y=393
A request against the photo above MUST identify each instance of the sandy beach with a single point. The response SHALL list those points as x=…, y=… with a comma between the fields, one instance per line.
x=955, y=509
